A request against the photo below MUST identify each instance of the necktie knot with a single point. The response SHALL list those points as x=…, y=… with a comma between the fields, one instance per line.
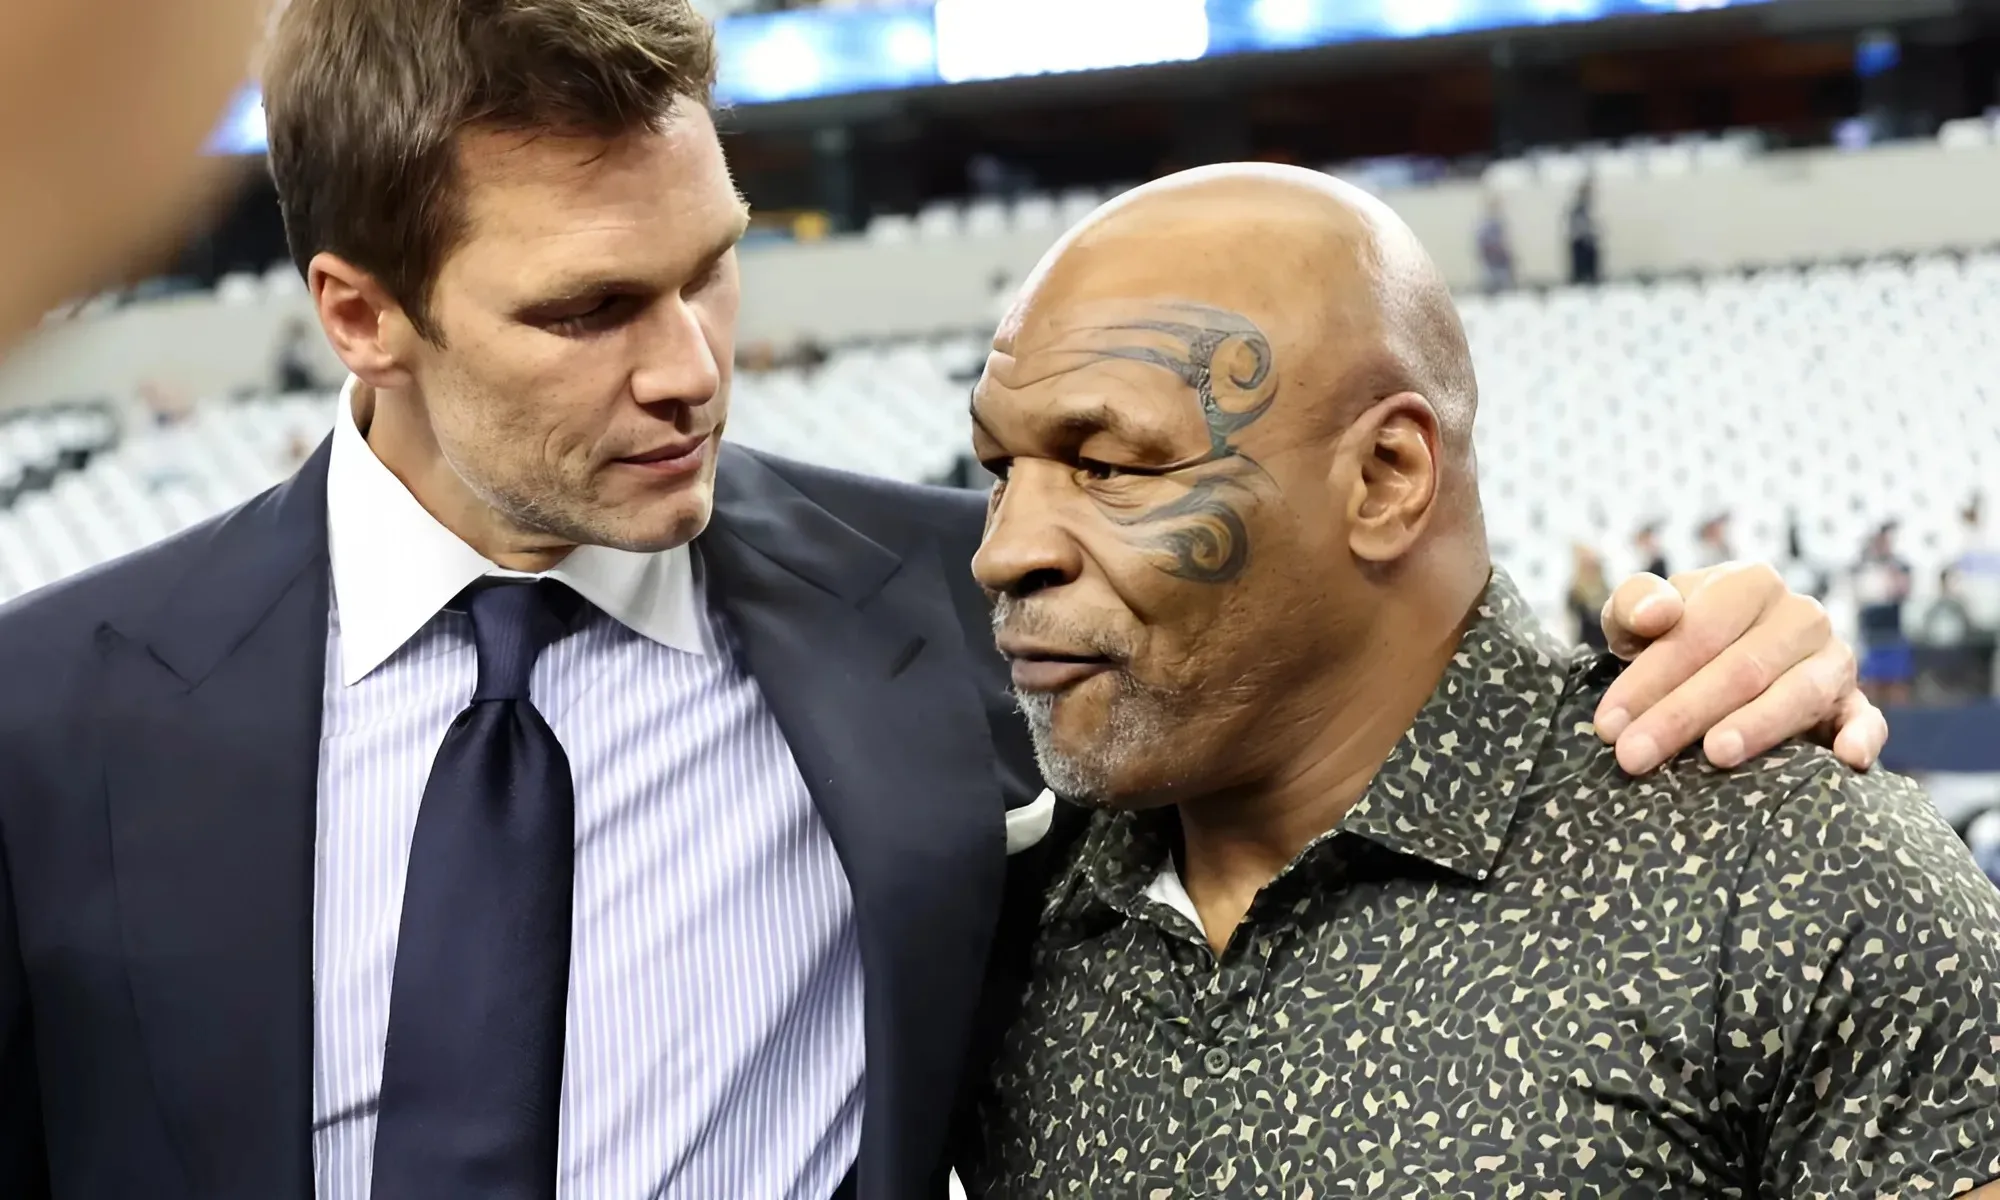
x=512, y=623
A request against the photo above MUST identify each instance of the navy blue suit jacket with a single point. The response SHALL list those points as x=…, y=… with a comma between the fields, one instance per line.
x=159, y=743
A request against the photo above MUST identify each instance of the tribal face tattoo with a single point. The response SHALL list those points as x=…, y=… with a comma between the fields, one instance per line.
x=1227, y=362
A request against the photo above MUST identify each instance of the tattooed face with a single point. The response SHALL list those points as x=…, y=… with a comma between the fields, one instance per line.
x=1143, y=536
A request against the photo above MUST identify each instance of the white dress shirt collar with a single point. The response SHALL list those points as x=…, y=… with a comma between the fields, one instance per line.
x=395, y=566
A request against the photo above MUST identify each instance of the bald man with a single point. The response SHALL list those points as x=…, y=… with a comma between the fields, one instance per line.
x=1368, y=907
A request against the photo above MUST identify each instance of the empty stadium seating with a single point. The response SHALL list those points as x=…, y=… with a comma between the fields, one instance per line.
x=944, y=220
x=87, y=500
x=1844, y=394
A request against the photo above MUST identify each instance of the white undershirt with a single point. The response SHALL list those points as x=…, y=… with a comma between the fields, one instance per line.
x=1168, y=890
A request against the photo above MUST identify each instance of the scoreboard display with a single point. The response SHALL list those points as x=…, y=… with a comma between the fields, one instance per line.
x=812, y=53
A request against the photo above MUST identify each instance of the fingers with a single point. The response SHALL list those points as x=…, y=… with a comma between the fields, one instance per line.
x=1798, y=701
x=1721, y=606
x=1643, y=608
x=1862, y=731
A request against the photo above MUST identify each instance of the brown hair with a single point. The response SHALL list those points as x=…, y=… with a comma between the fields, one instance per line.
x=364, y=100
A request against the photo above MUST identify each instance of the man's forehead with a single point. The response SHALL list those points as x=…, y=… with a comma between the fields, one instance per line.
x=629, y=208
x=541, y=184
x=1084, y=360
x=1084, y=397
x=1050, y=340
x=1158, y=363
x=1055, y=326
x=1080, y=365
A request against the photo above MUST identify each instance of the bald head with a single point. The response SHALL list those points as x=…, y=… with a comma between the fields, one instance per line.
x=1352, y=303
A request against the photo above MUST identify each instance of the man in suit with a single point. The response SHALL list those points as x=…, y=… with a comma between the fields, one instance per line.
x=535, y=797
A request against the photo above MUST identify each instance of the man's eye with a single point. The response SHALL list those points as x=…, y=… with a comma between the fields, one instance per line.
x=1098, y=472
x=607, y=313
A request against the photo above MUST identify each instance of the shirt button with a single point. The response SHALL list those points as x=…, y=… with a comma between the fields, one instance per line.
x=1216, y=1061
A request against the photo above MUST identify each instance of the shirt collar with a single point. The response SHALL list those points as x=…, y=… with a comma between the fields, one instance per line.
x=1447, y=793
x=395, y=566
x=1449, y=790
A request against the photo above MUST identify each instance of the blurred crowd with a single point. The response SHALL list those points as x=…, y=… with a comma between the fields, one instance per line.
x=1938, y=652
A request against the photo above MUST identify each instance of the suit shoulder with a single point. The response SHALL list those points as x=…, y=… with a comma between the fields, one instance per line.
x=869, y=501
x=59, y=618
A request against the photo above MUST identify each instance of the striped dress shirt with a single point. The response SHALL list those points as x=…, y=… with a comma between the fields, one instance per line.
x=714, y=1044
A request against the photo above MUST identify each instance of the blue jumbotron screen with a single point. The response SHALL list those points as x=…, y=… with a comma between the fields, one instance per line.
x=806, y=54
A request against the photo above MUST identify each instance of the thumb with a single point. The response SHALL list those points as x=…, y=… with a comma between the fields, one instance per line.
x=1644, y=609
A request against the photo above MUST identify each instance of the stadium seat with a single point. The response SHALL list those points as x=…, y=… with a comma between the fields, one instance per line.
x=1037, y=213
x=986, y=218
x=1969, y=133
x=891, y=229
x=1510, y=174
x=940, y=221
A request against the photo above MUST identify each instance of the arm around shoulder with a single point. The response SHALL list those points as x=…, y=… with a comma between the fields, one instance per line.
x=1858, y=1040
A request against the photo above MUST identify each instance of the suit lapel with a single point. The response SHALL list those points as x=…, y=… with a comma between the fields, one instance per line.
x=863, y=663
x=211, y=718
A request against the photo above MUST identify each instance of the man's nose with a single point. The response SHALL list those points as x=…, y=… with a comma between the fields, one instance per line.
x=681, y=364
x=1027, y=547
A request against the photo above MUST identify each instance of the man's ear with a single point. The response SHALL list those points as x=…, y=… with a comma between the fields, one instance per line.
x=366, y=326
x=1394, y=472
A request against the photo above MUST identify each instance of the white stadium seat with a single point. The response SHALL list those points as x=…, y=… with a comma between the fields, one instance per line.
x=1969, y=133
x=1037, y=213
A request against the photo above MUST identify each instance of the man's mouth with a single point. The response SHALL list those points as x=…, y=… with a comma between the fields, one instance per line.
x=674, y=458
x=1038, y=669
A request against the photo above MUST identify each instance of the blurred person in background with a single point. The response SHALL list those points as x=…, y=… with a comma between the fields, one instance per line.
x=104, y=108
x=536, y=796
x=1946, y=621
x=295, y=373
x=165, y=404
x=1978, y=565
x=1366, y=908
x=1801, y=572
x=1646, y=545
x=1881, y=587
x=1496, y=249
x=1580, y=230
x=1955, y=655
x=1589, y=592
x=1712, y=545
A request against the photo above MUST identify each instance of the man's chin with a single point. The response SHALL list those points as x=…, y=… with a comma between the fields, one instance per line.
x=655, y=532
x=1085, y=779
x=1095, y=749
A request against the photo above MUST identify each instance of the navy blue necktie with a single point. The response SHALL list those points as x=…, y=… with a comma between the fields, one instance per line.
x=472, y=1077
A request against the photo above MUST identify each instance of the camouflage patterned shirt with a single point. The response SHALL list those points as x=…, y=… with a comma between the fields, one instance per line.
x=1514, y=972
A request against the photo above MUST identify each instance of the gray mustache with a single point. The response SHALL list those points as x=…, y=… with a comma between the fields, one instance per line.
x=1022, y=619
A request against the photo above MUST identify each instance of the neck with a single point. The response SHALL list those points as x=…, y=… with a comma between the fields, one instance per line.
x=403, y=441
x=1236, y=842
